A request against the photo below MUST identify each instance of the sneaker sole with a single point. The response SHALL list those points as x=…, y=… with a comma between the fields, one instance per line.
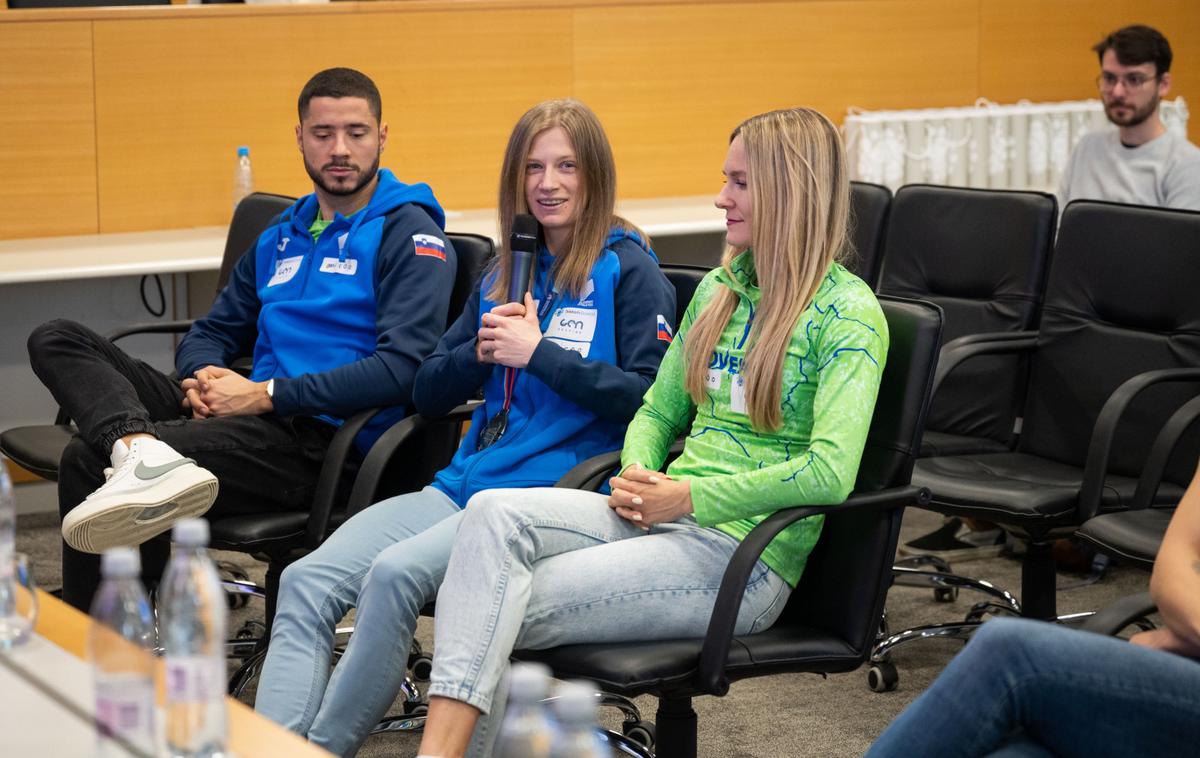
x=96, y=527
x=958, y=555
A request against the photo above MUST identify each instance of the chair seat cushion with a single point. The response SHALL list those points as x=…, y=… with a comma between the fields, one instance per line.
x=1132, y=535
x=943, y=443
x=37, y=448
x=1017, y=488
x=636, y=668
x=254, y=532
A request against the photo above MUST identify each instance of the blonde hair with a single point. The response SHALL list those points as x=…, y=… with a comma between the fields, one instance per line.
x=800, y=196
x=595, y=200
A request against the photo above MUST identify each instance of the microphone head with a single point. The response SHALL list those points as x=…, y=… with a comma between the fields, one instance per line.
x=524, y=233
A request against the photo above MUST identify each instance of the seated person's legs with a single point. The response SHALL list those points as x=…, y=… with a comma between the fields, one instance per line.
x=317, y=591
x=403, y=579
x=547, y=567
x=1075, y=693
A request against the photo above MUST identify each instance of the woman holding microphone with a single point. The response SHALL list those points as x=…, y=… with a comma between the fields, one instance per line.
x=562, y=374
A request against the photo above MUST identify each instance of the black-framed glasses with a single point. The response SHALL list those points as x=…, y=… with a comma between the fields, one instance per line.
x=1107, y=81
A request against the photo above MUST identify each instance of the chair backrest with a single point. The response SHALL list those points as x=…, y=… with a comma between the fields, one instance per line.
x=685, y=279
x=473, y=251
x=982, y=255
x=852, y=560
x=1123, y=298
x=869, y=208
x=252, y=216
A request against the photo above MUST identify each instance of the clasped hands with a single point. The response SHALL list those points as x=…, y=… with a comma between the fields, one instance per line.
x=509, y=335
x=218, y=391
x=647, y=497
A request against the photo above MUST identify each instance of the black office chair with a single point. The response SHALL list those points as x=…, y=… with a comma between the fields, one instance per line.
x=982, y=255
x=831, y=619
x=1117, y=354
x=39, y=448
x=870, y=205
x=1133, y=535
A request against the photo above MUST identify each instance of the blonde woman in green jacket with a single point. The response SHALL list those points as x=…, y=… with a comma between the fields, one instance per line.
x=778, y=357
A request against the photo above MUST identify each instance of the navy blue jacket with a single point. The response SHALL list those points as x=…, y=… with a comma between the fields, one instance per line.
x=599, y=354
x=341, y=324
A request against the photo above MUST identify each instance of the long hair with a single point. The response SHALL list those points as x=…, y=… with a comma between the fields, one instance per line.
x=595, y=200
x=800, y=198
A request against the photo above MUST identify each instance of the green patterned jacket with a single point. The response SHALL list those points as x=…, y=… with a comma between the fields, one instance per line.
x=740, y=475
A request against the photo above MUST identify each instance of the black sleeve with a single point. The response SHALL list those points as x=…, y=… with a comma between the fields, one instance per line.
x=412, y=295
x=451, y=375
x=614, y=392
x=231, y=326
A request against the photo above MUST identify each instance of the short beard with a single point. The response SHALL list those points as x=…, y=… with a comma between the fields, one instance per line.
x=1138, y=116
x=364, y=178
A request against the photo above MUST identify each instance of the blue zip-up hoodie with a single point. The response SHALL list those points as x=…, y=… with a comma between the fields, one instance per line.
x=599, y=354
x=342, y=323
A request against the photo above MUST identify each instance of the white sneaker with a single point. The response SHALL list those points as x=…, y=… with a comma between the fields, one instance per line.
x=149, y=488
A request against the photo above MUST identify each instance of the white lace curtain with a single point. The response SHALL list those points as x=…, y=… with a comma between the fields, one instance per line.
x=1022, y=146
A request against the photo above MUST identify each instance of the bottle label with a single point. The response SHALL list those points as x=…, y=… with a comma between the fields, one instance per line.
x=194, y=678
x=125, y=706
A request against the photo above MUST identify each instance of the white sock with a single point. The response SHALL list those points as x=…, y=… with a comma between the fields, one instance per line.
x=119, y=452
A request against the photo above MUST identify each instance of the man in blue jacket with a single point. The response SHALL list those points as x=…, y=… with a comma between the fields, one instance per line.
x=338, y=302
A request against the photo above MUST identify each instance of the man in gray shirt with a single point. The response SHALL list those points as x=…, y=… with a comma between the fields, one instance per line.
x=1141, y=163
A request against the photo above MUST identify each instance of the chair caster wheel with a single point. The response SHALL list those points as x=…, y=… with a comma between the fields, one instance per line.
x=416, y=709
x=422, y=667
x=641, y=732
x=883, y=677
x=251, y=630
x=945, y=594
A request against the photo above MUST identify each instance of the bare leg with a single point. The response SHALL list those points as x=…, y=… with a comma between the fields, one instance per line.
x=448, y=728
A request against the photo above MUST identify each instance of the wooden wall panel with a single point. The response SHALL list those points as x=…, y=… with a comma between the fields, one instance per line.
x=1037, y=50
x=47, y=138
x=451, y=94
x=671, y=82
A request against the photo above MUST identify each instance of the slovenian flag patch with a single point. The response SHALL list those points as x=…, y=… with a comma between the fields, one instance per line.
x=664, y=329
x=427, y=244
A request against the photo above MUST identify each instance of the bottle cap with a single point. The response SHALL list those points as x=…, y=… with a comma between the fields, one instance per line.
x=190, y=532
x=243, y=150
x=120, y=563
x=576, y=702
x=528, y=682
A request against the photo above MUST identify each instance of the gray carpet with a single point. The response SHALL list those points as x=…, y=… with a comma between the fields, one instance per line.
x=786, y=715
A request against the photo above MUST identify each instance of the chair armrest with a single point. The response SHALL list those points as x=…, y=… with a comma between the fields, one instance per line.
x=152, y=327
x=366, y=484
x=1160, y=453
x=591, y=474
x=710, y=671
x=1105, y=429
x=325, y=493
x=957, y=351
x=1116, y=616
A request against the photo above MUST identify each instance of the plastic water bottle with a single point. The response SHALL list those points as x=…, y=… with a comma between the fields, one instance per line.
x=243, y=176
x=193, y=610
x=526, y=731
x=11, y=625
x=575, y=712
x=119, y=646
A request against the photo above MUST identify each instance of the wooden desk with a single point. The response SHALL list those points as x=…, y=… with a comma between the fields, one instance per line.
x=200, y=249
x=250, y=735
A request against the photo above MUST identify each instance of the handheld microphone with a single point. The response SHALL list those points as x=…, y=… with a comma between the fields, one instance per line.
x=524, y=247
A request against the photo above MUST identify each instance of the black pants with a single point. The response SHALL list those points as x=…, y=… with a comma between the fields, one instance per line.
x=263, y=463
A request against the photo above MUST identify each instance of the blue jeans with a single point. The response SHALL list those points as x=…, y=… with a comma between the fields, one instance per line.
x=388, y=562
x=538, y=568
x=1025, y=688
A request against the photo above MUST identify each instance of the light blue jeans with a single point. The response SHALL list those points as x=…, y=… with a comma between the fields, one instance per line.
x=1032, y=688
x=388, y=562
x=538, y=568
